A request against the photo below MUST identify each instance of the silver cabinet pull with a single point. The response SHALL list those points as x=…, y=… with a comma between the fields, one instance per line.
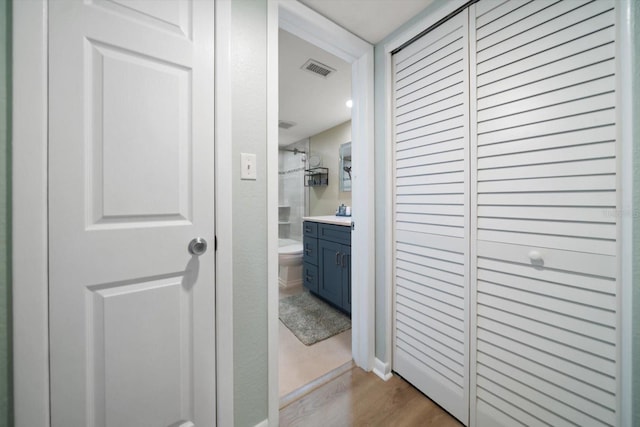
x=337, y=258
x=197, y=246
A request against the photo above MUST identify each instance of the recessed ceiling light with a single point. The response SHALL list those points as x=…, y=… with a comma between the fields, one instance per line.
x=349, y=104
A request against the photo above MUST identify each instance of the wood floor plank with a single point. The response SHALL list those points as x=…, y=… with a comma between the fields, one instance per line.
x=359, y=398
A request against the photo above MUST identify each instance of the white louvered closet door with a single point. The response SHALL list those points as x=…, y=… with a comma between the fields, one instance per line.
x=546, y=344
x=431, y=333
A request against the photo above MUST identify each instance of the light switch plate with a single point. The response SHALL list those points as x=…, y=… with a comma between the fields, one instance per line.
x=248, y=166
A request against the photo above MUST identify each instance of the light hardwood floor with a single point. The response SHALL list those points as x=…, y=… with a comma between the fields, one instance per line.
x=358, y=398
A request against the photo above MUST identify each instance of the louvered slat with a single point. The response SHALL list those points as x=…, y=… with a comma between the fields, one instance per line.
x=431, y=330
x=546, y=342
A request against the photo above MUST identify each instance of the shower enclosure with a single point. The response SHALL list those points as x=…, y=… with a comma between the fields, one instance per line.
x=292, y=194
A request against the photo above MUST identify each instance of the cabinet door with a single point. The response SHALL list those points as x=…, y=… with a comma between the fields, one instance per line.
x=346, y=278
x=310, y=277
x=310, y=247
x=330, y=285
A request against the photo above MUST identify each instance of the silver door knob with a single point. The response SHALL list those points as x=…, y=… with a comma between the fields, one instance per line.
x=197, y=246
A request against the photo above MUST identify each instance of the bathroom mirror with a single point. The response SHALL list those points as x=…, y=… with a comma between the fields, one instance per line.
x=344, y=171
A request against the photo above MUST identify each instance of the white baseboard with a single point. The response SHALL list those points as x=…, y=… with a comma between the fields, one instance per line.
x=382, y=369
x=263, y=423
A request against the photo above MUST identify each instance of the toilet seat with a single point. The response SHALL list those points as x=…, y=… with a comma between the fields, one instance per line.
x=295, y=249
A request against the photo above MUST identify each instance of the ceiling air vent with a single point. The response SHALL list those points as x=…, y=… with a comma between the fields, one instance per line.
x=318, y=68
x=285, y=125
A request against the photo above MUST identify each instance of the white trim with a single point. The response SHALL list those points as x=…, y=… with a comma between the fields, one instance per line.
x=273, y=339
x=298, y=19
x=472, y=262
x=390, y=246
x=625, y=119
x=224, y=217
x=363, y=235
x=314, y=28
x=264, y=423
x=30, y=232
x=382, y=369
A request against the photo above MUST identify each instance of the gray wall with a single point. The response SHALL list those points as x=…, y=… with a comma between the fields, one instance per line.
x=635, y=88
x=381, y=214
x=325, y=200
x=6, y=412
x=249, y=135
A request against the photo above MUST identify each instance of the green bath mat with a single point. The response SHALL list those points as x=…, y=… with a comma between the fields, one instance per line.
x=311, y=319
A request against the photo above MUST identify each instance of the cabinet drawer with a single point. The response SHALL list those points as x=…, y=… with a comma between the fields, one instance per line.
x=310, y=277
x=310, y=250
x=310, y=228
x=335, y=233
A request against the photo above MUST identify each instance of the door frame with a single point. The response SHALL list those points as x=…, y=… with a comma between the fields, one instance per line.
x=308, y=25
x=29, y=142
x=626, y=215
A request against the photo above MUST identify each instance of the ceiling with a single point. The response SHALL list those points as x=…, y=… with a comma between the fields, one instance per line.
x=371, y=20
x=317, y=103
x=314, y=103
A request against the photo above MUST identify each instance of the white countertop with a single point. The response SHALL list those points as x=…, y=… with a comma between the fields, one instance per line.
x=330, y=219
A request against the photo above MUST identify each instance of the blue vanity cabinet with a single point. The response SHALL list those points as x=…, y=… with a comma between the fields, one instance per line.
x=327, y=262
x=310, y=256
x=334, y=265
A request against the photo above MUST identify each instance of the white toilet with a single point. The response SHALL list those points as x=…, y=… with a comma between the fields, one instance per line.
x=289, y=263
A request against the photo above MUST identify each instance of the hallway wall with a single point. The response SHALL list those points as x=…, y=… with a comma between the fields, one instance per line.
x=635, y=89
x=249, y=207
x=6, y=410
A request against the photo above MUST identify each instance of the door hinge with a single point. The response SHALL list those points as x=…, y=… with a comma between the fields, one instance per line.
x=215, y=243
x=353, y=225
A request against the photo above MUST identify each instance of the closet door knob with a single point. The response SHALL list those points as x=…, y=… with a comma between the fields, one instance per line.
x=535, y=256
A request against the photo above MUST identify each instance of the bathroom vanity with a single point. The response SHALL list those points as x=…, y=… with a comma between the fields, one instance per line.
x=326, y=259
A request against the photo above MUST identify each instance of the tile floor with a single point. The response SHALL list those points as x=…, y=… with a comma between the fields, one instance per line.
x=300, y=364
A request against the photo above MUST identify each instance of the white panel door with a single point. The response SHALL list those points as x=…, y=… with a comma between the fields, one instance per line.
x=130, y=184
x=547, y=333
x=431, y=210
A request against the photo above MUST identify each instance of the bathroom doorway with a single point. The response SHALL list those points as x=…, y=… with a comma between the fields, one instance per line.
x=301, y=21
x=314, y=126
